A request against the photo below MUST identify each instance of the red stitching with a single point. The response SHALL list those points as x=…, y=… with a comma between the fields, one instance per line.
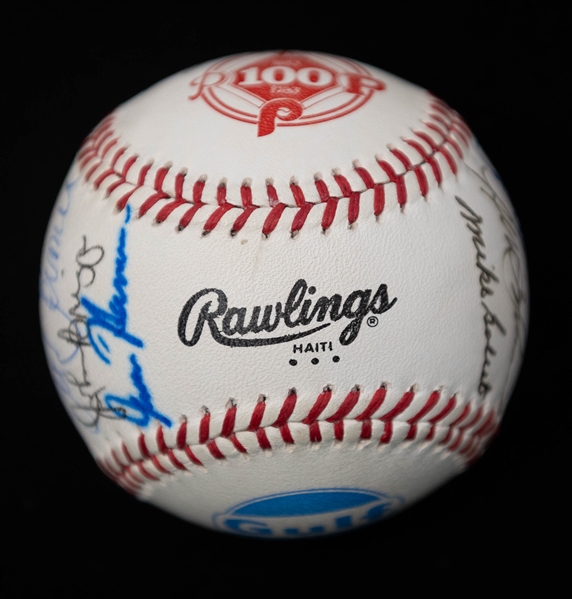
x=346, y=407
x=304, y=207
x=431, y=403
x=114, y=456
x=354, y=197
x=466, y=434
x=197, y=203
x=229, y=420
x=174, y=460
x=122, y=202
x=192, y=456
x=374, y=405
x=142, y=447
x=281, y=422
x=204, y=427
x=123, y=176
x=257, y=415
x=318, y=407
x=161, y=441
x=272, y=195
x=158, y=465
x=93, y=142
x=286, y=410
x=441, y=123
x=421, y=178
x=159, y=193
x=227, y=431
x=397, y=179
x=215, y=451
x=126, y=452
x=329, y=213
x=178, y=201
x=249, y=208
x=145, y=472
x=272, y=219
x=101, y=154
x=223, y=208
x=111, y=170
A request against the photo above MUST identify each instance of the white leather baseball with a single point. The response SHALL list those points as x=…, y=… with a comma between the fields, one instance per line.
x=283, y=293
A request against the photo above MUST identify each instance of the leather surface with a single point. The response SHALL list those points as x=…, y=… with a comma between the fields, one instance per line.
x=451, y=261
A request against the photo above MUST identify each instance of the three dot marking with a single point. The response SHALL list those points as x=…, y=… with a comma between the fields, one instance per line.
x=313, y=361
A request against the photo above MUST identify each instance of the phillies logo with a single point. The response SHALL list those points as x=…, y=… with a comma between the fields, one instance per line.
x=285, y=88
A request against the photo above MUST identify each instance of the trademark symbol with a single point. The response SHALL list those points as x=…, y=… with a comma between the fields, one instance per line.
x=372, y=321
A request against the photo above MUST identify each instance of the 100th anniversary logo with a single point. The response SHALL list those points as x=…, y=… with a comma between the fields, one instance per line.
x=302, y=313
x=285, y=88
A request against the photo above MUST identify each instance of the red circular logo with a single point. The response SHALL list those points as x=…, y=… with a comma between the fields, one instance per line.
x=285, y=89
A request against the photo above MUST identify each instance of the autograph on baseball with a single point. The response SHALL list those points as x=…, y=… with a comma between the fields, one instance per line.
x=295, y=264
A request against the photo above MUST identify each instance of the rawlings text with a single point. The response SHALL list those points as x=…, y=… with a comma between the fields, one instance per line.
x=210, y=307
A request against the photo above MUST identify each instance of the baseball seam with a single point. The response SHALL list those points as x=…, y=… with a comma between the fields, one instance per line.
x=436, y=143
x=157, y=456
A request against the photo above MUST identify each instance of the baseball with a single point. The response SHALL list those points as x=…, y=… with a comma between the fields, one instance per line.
x=283, y=294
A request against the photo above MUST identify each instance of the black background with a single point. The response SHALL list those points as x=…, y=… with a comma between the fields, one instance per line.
x=67, y=529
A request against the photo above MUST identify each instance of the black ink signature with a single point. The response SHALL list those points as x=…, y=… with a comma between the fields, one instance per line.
x=486, y=278
x=514, y=267
x=490, y=320
x=94, y=407
x=76, y=334
x=514, y=278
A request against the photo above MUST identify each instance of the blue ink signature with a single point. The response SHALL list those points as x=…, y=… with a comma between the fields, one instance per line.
x=114, y=318
x=49, y=292
x=67, y=362
x=50, y=270
x=137, y=409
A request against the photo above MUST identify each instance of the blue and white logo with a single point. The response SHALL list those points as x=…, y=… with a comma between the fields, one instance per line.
x=307, y=513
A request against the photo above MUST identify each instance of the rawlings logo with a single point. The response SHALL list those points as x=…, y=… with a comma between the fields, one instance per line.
x=229, y=325
x=285, y=88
